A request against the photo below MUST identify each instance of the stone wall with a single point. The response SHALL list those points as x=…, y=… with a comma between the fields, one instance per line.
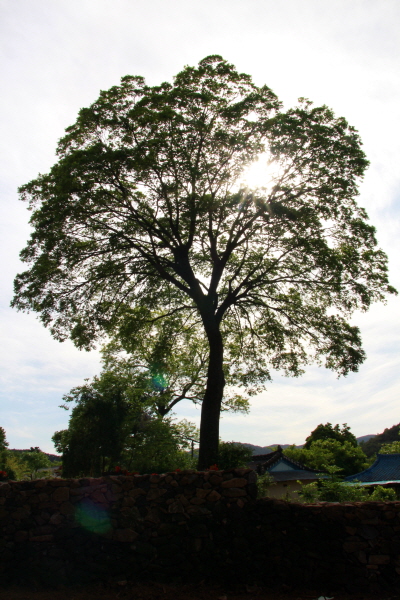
x=191, y=526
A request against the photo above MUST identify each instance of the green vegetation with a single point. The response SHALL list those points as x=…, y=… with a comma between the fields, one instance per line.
x=161, y=367
x=232, y=455
x=114, y=424
x=144, y=215
x=329, y=432
x=333, y=450
x=373, y=446
x=264, y=482
x=326, y=453
x=330, y=446
x=33, y=460
x=334, y=490
x=21, y=465
x=6, y=469
x=392, y=448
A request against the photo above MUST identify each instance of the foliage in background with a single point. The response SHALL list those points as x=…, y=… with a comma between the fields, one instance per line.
x=232, y=455
x=21, y=465
x=392, y=448
x=330, y=432
x=165, y=362
x=5, y=464
x=334, y=489
x=144, y=211
x=330, y=447
x=33, y=460
x=16, y=467
x=160, y=445
x=114, y=423
x=373, y=446
x=97, y=427
x=264, y=483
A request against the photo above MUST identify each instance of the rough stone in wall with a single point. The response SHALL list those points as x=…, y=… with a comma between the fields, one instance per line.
x=65, y=529
x=194, y=526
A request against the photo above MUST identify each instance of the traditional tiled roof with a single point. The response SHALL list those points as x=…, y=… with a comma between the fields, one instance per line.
x=291, y=471
x=386, y=469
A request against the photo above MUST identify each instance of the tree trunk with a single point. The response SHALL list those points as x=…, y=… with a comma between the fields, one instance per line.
x=211, y=405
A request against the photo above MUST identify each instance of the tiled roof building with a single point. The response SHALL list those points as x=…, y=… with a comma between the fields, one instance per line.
x=385, y=470
x=285, y=471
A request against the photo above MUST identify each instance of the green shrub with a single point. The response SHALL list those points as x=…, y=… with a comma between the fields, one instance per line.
x=232, y=455
x=335, y=490
x=264, y=482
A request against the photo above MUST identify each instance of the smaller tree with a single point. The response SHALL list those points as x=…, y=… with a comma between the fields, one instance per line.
x=99, y=422
x=329, y=432
x=232, y=455
x=6, y=468
x=3, y=449
x=114, y=423
x=322, y=454
x=16, y=467
x=158, y=445
x=3, y=441
x=165, y=360
x=34, y=460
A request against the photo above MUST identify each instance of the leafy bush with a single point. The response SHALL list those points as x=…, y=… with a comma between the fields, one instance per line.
x=264, y=482
x=392, y=448
x=381, y=493
x=348, y=458
x=232, y=455
x=335, y=490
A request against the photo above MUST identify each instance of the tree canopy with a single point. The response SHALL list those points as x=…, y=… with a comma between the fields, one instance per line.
x=34, y=460
x=391, y=448
x=330, y=432
x=232, y=455
x=163, y=363
x=97, y=427
x=374, y=445
x=322, y=454
x=144, y=212
x=113, y=423
x=3, y=440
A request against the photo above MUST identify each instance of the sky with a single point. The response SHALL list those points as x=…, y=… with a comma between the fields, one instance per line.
x=55, y=57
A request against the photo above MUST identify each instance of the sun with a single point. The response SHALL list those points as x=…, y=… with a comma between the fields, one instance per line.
x=261, y=174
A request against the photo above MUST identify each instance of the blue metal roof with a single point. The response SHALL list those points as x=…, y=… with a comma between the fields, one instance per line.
x=385, y=469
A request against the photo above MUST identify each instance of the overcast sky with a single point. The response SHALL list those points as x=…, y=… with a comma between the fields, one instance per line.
x=55, y=58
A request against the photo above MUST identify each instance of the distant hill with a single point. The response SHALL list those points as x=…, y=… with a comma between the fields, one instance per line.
x=365, y=438
x=258, y=450
x=373, y=445
x=52, y=457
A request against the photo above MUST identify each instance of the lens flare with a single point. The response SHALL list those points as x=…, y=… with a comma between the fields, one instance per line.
x=92, y=517
x=159, y=382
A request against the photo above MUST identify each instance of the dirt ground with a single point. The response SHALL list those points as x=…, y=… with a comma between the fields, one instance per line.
x=156, y=591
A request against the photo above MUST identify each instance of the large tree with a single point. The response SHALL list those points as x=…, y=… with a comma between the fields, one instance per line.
x=144, y=210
